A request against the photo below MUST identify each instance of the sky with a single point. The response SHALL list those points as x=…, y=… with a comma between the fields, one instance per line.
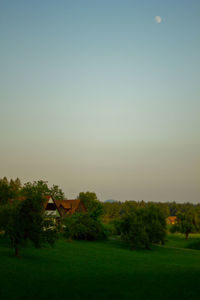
x=102, y=96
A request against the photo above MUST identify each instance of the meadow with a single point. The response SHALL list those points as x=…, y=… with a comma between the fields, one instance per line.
x=99, y=270
x=178, y=241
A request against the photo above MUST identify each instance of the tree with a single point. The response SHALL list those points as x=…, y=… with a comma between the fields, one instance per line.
x=8, y=191
x=42, y=187
x=142, y=226
x=56, y=193
x=81, y=226
x=15, y=184
x=24, y=220
x=187, y=222
x=86, y=225
x=155, y=223
x=128, y=207
x=133, y=230
x=111, y=211
x=92, y=204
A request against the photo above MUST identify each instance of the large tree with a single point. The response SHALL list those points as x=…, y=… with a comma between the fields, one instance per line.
x=142, y=226
x=81, y=226
x=42, y=187
x=56, y=192
x=24, y=220
x=86, y=225
x=92, y=204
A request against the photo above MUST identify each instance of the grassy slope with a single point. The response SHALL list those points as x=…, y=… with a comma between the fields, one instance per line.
x=99, y=270
x=178, y=240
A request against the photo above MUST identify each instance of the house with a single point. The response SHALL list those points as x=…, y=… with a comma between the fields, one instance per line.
x=62, y=208
x=50, y=207
x=59, y=208
x=171, y=220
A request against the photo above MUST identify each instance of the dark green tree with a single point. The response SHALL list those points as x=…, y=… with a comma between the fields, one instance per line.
x=24, y=220
x=9, y=190
x=81, y=226
x=187, y=222
x=92, y=204
x=56, y=192
x=86, y=225
x=42, y=187
x=142, y=226
x=15, y=184
x=133, y=231
x=111, y=211
x=155, y=223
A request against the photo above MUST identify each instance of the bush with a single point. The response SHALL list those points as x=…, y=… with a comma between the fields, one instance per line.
x=81, y=226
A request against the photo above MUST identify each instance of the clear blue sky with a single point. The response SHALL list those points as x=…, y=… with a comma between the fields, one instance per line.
x=97, y=95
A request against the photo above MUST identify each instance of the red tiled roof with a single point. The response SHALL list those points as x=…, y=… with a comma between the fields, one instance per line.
x=63, y=203
x=68, y=205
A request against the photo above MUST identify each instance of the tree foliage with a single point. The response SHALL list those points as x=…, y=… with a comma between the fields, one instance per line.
x=42, y=187
x=187, y=222
x=92, y=204
x=81, y=226
x=56, y=192
x=13, y=189
x=143, y=226
x=24, y=220
x=116, y=209
x=86, y=225
x=9, y=190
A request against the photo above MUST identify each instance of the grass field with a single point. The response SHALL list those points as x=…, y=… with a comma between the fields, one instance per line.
x=178, y=240
x=99, y=270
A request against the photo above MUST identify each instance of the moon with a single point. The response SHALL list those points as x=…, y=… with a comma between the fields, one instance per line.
x=158, y=19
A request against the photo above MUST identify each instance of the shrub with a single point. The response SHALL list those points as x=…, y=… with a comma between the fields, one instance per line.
x=81, y=226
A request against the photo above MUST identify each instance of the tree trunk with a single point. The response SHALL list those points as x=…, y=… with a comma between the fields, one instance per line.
x=186, y=235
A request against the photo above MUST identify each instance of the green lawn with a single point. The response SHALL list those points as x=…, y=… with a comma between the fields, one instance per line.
x=99, y=270
x=178, y=240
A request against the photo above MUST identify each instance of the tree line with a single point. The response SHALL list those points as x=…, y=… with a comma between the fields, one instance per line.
x=187, y=214
x=113, y=210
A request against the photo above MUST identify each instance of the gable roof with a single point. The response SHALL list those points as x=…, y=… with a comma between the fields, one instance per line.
x=47, y=198
x=68, y=207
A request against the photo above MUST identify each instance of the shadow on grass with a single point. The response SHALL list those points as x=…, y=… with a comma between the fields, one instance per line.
x=26, y=252
x=194, y=245
x=119, y=244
